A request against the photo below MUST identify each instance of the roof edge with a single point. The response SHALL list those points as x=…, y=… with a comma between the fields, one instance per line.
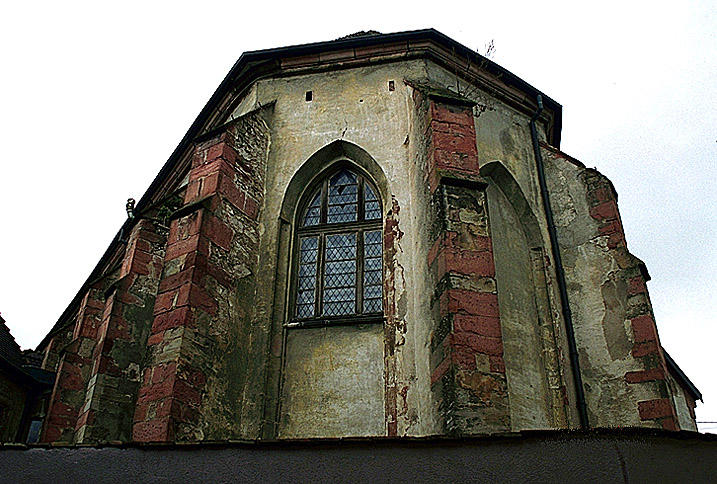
x=242, y=68
x=681, y=377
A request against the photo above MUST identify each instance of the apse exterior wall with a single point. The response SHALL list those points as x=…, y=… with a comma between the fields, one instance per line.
x=621, y=358
x=356, y=105
x=252, y=384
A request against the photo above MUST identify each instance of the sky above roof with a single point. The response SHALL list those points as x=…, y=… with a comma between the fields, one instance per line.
x=96, y=95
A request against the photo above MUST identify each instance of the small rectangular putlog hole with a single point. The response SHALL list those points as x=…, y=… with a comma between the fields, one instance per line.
x=391, y=86
x=309, y=96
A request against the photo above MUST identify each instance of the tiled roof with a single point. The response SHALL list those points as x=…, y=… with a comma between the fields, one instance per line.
x=9, y=349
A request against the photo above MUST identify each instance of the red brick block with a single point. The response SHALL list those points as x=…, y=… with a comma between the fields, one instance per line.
x=611, y=227
x=71, y=378
x=211, y=167
x=440, y=370
x=605, y=211
x=180, y=278
x=152, y=431
x=454, y=142
x=658, y=408
x=163, y=372
x=482, y=325
x=185, y=227
x=172, y=319
x=228, y=190
x=219, y=275
x=217, y=231
x=185, y=393
x=155, y=338
x=468, y=262
x=449, y=160
x=193, y=189
x=251, y=208
x=451, y=114
x=52, y=434
x=644, y=349
x=477, y=343
x=165, y=301
x=183, y=247
x=140, y=412
x=469, y=302
x=669, y=424
x=210, y=184
x=640, y=376
x=463, y=358
x=497, y=364
x=643, y=328
x=636, y=285
x=223, y=151
x=156, y=391
x=61, y=409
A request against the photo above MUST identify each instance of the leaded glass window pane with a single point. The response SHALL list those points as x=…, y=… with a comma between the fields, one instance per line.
x=343, y=198
x=340, y=275
x=372, y=272
x=372, y=207
x=306, y=292
x=340, y=266
x=312, y=216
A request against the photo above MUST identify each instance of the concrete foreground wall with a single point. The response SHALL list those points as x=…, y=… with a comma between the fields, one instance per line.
x=619, y=456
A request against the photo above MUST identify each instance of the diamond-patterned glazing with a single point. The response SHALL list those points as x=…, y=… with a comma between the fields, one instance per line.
x=372, y=208
x=343, y=198
x=372, y=272
x=340, y=275
x=312, y=216
x=306, y=291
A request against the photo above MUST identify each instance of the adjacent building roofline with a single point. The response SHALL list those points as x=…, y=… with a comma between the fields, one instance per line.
x=681, y=378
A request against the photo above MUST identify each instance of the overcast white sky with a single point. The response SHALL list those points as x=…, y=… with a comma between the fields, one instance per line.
x=94, y=96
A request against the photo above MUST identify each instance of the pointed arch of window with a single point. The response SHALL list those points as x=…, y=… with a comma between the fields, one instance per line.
x=338, y=267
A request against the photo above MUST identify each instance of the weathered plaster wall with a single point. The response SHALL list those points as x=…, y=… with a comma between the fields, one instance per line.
x=621, y=359
x=467, y=346
x=503, y=139
x=356, y=105
x=684, y=405
x=517, y=297
x=334, y=382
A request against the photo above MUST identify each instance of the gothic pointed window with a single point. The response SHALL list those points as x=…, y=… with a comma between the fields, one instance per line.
x=338, y=266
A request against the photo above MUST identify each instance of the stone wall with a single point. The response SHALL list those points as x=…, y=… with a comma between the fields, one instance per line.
x=183, y=336
x=621, y=359
x=193, y=381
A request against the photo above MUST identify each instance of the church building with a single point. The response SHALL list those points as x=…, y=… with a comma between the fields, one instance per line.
x=372, y=236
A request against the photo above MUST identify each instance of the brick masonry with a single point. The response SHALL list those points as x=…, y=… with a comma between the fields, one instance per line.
x=646, y=349
x=73, y=369
x=467, y=349
x=122, y=338
x=210, y=260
